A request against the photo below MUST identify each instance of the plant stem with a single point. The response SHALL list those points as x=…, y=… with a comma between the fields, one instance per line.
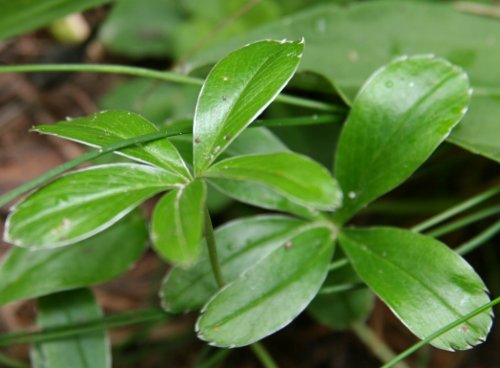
x=440, y=332
x=338, y=264
x=259, y=349
x=457, y=209
x=341, y=288
x=8, y=362
x=113, y=321
x=153, y=74
x=375, y=344
x=479, y=239
x=264, y=357
x=474, y=217
x=92, y=155
x=212, y=249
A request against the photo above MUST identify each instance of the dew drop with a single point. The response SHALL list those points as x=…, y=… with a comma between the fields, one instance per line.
x=412, y=84
x=227, y=137
x=288, y=245
x=197, y=140
x=224, y=98
x=225, y=79
x=352, y=195
x=216, y=149
x=315, y=117
x=389, y=84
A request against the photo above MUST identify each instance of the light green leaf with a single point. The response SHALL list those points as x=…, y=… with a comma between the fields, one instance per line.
x=91, y=350
x=21, y=16
x=177, y=223
x=347, y=44
x=28, y=274
x=404, y=111
x=236, y=91
x=269, y=295
x=340, y=310
x=108, y=127
x=295, y=177
x=81, y=204
x=425, y=283
x=240, y=245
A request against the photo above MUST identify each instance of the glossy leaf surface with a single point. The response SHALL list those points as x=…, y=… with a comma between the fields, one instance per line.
x=177, y=223
x=91, y=350
x=81, y=204
x=236, y=91
x=269, y=295
x=240, y=245
x=21, y=16
x=108, y=127
x=404, y=111
x=425, y=283
x=347, y=44
x=295, y=177
x=28, y=274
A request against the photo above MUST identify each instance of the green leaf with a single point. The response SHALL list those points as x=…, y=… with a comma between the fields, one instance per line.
x=269, y=295
x=340, y=310
x=404, y=111
x=150, y=33
x=108, y=127
x=236, y=91
x=364, y=39
x=261, y=195
x=425, y=283
x=240, y=245
x=177, y=223
x=81, y=204
x=21, y=16
x=28, y=274
x=296, y=177
x=91, y=350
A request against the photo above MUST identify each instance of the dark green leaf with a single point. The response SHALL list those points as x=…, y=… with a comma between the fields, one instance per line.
x=149, y=34
x=81, y=204
x=236, y=91
x=347, y=44
x=21, y=16
x=28, y=274
x=295, y=177
x=92, y=350
x=269, y=295
x=340, y=310
x=240, y=245
x=108, y=127
x=177, y=223
x=424, y=282
x=400, y=116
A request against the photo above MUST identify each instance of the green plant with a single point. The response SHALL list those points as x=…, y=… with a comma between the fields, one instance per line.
x=269, y=267
x=251, y=276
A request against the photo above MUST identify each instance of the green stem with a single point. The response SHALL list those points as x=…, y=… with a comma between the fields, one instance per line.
x=375, y=344
x=440, y=332
x=212, y=250
x=466, y=220
x=457, y=209
x=259, y=349
x=338, y=264
x=153, y=74
x=92, y=155
x=479, y=239
x=341, y=288
x=263, y=355
x=8, y=362
x=108, y=322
